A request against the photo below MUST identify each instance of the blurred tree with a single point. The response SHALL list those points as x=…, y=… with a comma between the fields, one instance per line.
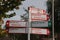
x=49, y=5
x=57, y=15
x=5, y=6
x=25, y=16
x=57, y=18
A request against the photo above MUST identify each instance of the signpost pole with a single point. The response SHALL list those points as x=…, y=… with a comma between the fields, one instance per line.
x=29, y=30
x=35, y=15
x=53, y=19
x=29, y=25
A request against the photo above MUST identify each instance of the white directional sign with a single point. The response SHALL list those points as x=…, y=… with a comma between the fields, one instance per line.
x=38, y=17
x=17, y=30
x=40, y=31
x=36, y=10
x=16, y=23
x=41, y=24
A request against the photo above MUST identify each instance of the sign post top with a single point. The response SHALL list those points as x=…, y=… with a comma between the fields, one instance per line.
x=36, y=14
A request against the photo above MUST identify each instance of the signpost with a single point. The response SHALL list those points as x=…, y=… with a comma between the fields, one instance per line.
x=36, y=14
x=38, y=18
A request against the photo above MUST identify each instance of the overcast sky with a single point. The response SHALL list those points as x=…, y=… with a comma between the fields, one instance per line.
x=36, y=3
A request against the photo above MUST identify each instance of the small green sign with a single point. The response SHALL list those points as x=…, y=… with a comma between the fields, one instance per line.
x=49, y=23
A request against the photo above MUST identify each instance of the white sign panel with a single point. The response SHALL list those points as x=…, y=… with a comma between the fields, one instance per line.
x=36, y=10
x=17, y=30
x=38, y=17
x=40, y=31
x=40, y=24
x=36, y=14
x=16, y=23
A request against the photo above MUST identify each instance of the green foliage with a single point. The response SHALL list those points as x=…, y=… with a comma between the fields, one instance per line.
x=8, y=5
x=5, y=6
x=11, y=15
x=49, y=5
x=57, y=3
x=25, y=16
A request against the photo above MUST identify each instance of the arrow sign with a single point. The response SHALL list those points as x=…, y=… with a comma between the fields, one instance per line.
x=40, y=31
